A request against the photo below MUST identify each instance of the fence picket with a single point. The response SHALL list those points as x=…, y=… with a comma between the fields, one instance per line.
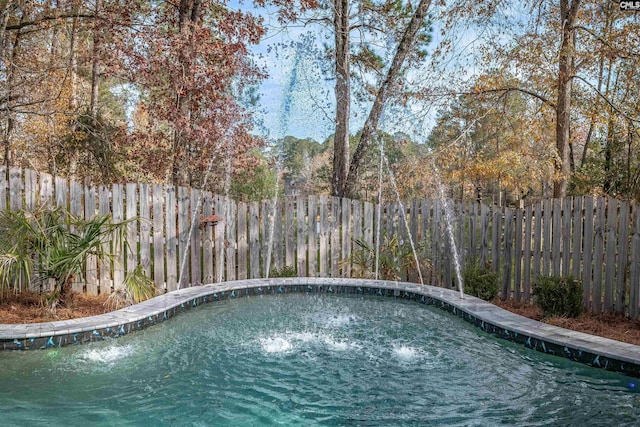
x=622, y=264
x=312, y=218
x=230, y=238
x=242, y=240
x=158, y=237
x=634, y=271
x=587, y=259
x=324, y=265
x=91, y=269
x=195, y=241
x=526, y=280
x=610, y=259
x=290, y=233
x=144, y=223
x=301, y=236
x=254, y=240
x=171, y=239
x=599, y=254
x=508, y=258
x=104, y=208
x=184, y=275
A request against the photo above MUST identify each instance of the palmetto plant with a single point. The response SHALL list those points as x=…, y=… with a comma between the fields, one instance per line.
x=394, y=258
x=50, y=246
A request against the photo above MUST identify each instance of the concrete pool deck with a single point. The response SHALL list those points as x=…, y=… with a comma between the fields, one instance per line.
x=584, y=348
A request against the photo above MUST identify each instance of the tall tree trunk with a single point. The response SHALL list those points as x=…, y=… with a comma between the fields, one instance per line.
x=188, y=16
x=568, y=12
x=371, y=125
x=341, y=149
x=9, y=95
x=95, y=67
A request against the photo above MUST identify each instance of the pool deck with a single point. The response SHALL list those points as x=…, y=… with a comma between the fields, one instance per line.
x=584, y=348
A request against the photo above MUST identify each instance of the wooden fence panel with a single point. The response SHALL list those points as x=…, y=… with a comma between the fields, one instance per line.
x=335, y=236
x=195, y=241
x=436, y=239
x=278, y=238
x=77, y=210
x=526, y=280
x=91, y=269
x=46, y=189
x=230, y=238
x=171, y=239
x=622, y=262
x=345, y=255
x=537, y=244
x=508, y=257
x=218, y=240
x=517, y=259
x=556, y=237
x=104, y=208
x=184, y=276
x=301, y=236
x=15, y=188
x=266, y=236
x=254, y=240
x=31, y=189
x=576, y=245
x=290, y=233
x=566, y=236
x=496, y=234
x=312, y=218
x=324, y=260
x=610, y=258
x=144, y=220
x=131, y=213
x=117, y=212
x=546, y=238
x=599, y=254
x=587, y=259
x=484, y=234
x=62, y=192
x=242, y=241
x=593, y=239
x=158, y=237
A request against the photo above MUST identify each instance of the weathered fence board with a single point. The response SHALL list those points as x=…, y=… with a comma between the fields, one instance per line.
x=312, y=217
x=158, y=237
x=610, y=258
x=254, y=240
x=171, y=239
x=230, y=238
x=242, y=240
x=301, y=236
x=91, y=271
x=587, y=258
x=104, y=208
x=324, y=260
x=195, y=241
x=599, y=254
x=144, y=220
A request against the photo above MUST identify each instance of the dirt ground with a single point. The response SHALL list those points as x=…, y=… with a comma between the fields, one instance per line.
x=28, y=308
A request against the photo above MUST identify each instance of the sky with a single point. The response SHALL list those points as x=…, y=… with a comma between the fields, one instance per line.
x=297, y=97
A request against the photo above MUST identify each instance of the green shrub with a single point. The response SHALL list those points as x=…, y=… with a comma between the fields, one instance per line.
x=558, y=296
x=286, y=271
x=480, y=281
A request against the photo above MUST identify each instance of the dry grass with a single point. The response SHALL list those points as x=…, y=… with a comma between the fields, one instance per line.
x=28, y=308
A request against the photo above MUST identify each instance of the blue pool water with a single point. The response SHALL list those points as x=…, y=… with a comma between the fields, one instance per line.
x=309, y=360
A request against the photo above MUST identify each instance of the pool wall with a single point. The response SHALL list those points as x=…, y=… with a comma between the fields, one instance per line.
x=580, y=347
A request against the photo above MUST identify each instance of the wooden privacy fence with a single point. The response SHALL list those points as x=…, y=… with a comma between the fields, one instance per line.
x=594, y=239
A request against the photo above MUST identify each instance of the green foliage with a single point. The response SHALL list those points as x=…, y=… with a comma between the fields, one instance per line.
x=394, y=258
x=286, y=271
x=480, y=281
x=558, y=296
x=254, y=184
x=50, y=245
x=137, y=287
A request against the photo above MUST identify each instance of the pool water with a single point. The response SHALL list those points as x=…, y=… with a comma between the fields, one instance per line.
x=309, y=360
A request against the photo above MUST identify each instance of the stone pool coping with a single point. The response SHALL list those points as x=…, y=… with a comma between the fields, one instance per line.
x=584, y=348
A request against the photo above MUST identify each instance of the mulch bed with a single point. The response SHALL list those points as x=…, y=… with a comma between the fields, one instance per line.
x=616, y=327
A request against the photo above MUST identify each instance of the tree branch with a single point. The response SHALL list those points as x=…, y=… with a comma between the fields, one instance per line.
x=515, y=89
x=46, y=18
x=607, y=100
